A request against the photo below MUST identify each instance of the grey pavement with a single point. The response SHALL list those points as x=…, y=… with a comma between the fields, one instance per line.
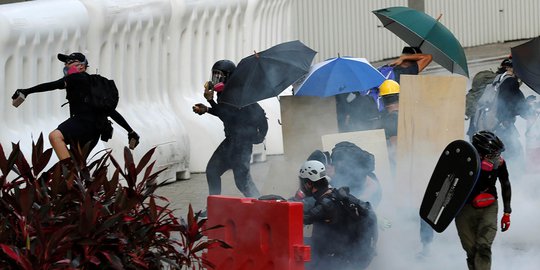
x=195, y=190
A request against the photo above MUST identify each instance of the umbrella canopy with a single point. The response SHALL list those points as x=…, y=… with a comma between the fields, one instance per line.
x=337, y=76
x=526, y=63
x=266, y=74
x=423, y=31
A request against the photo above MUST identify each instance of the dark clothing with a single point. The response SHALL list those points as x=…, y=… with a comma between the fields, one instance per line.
x=85, y=124
x=247, y=124
x=335, y=244
x=356, y=112
x=243, y=128
x=477, y=227
x=390, y=123
x=235, y=155
x=408, y=68
x=486, y=183
x=511, y=103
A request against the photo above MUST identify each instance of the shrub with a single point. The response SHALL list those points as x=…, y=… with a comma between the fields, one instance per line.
x=73, y=216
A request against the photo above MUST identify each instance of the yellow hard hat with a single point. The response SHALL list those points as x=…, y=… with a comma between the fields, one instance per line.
x=388, y=87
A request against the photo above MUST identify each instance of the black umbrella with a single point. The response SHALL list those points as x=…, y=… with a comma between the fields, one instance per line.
x=266, y=74
x=526, y=63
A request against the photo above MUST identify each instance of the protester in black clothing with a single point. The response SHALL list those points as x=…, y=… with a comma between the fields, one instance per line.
x=511, y=103
x=243, y=127
x=336, y=242
x=476, y=223
x=85, y=124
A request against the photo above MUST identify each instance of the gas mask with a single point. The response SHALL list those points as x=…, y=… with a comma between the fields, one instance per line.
x=490, y=162
x=217, y=77
x=304, y=188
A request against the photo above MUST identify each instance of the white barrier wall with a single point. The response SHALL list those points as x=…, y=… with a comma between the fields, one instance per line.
x=160, y=52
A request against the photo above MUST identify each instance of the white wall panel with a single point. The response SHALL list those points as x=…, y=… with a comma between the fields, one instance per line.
x=478, y=22
x=345, y=27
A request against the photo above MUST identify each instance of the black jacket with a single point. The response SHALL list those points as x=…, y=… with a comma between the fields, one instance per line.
x=246, y=124
x=77, y=87
x=486, y=183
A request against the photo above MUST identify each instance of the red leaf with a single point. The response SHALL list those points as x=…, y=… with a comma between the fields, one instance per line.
x=26, y=200
x=42, y=161
x=131, y=178
x=145, y=159
x=116, y=263
x=3, y=162
x=21, y=261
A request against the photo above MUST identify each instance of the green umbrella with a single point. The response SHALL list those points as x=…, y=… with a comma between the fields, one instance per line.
x=420, y=30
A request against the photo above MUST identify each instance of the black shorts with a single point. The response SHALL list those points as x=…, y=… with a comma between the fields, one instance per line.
x=79, y=131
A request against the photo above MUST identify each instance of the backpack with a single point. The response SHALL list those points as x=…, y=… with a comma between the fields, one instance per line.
x=103, y=94
x=348, y=155
x=355, y=209
x=479, y=83
x=485, y=115
x=362, y=221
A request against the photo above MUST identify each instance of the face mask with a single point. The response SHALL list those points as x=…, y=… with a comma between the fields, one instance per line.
x=490, y=164
x=70, y=70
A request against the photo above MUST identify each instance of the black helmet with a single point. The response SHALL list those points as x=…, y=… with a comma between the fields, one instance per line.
x=226, y=67
x=487, y=143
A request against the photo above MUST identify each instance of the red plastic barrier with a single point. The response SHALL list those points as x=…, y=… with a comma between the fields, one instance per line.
x=264, y=235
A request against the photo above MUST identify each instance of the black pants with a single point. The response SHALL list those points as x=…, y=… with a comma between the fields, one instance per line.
x=79, y=131
x=235, y=155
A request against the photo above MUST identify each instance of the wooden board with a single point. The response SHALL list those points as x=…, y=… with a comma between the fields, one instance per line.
x=304, y=120
x=431, y=114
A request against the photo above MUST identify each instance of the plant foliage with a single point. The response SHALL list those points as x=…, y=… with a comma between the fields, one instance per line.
x=74, y=216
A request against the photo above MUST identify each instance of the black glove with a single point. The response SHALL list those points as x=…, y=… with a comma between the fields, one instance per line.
x=200, y=109
x=133, y=139
x=18, y=92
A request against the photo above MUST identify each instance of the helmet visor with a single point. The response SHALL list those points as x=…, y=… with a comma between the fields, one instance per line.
x=217, y=76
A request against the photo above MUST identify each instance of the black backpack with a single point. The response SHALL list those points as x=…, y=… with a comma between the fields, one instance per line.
x=103, y=94
x=352, y=156
x=361, y=221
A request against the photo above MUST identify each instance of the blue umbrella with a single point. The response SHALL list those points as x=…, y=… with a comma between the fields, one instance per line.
x=337, y=76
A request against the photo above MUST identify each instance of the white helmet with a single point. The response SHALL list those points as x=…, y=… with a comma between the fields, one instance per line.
x=313, y=170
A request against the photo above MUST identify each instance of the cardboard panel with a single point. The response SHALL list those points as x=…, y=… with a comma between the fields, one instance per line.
x=304, y=120
x=431, y=115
